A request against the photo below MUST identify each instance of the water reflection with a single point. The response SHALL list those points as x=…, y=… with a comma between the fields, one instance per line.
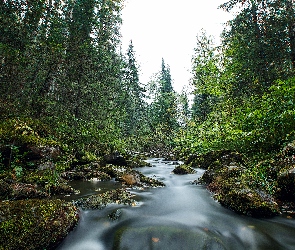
x=178, y=216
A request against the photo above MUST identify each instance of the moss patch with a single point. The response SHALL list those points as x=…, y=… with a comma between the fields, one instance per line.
x=35, y=224
x=183, y=169
x=99, y=201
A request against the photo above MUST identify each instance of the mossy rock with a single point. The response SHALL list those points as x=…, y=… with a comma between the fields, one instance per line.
x=248, y=202
x=35, y=224
x=18, y=191
x=183, y=169
x=136, y=162
x=204, y=161
x=217, y=170
x=130, y=176
x=99, y=201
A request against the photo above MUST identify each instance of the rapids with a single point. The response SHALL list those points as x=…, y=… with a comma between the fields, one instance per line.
x=178, y=216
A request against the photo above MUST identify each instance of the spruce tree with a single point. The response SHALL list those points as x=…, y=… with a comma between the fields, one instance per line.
x=133, y=94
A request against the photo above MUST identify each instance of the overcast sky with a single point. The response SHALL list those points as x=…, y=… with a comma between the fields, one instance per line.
x=168, y=29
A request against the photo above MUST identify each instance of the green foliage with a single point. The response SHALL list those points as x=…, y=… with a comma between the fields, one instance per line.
x=25, y=131
x=163, y=109
x=258, y=45
x=60, y=67
x=206, y=66
x=258, y=125
x=206, y=77
x=133, y=96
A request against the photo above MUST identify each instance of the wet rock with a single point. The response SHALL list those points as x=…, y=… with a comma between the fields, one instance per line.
x=131, y=179
x=99, y=201
x=225, y=178
x=286, y=185
x=115, y=215
x=60, y=188
x=249, y=202
x=183, y=169
x=115, y=158
x=164, y=237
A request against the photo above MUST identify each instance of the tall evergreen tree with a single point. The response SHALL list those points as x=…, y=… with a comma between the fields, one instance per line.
x=164, y=106
x=206, y=79
x=259, y=45
x=134, y=94
x=184, y=112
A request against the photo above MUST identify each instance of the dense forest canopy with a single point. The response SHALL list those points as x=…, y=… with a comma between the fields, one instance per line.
x=65, y=81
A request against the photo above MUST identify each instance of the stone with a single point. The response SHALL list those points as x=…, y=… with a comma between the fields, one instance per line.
x=183, y=169
x=286, y=185
x=115, y=158
x=130, y=179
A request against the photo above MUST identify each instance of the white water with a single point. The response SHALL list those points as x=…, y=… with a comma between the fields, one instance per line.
x=180, y=216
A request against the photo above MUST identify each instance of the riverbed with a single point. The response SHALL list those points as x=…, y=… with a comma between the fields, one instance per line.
x=180, y=215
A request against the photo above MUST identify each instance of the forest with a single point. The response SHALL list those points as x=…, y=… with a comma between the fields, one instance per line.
x=70, y=96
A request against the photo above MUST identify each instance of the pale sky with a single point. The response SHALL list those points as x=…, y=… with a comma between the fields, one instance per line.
x=168, y=29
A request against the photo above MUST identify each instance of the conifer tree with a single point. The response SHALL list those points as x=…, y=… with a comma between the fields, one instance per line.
x=134, y=94
x=163, y=113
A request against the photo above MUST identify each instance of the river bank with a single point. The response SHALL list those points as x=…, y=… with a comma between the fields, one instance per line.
x=121, y=181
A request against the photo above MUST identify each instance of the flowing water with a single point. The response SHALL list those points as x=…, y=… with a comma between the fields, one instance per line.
x=180, y=216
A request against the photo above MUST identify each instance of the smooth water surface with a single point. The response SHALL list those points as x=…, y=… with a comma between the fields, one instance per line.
x=180, y=216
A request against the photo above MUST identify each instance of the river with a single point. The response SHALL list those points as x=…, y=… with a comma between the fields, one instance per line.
x=178, y=216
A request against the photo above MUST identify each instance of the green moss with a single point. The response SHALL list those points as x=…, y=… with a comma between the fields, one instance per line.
x=119, y=196
x=35, y=224
x=183, y=169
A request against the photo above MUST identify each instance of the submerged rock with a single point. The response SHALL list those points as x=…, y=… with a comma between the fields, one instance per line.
x=165, y=237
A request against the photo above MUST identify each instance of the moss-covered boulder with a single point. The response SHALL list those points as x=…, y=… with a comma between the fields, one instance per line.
x=249, y=202
x=183, y=169
x=235, y=187
x=118, y=196
x=35, y=224
x=130, y=177
x=224, y=157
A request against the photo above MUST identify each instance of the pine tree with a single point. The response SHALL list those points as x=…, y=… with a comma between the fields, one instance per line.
x=163, y=112
x=259, y=46
x=134, y=94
